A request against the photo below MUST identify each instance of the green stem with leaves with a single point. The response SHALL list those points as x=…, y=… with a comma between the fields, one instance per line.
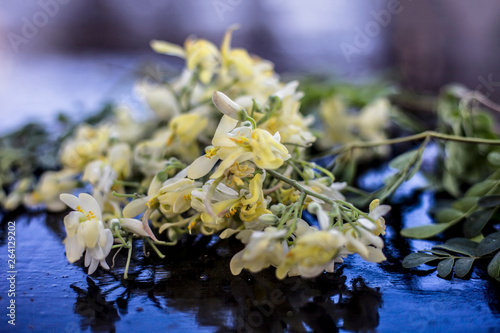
x=302, y=189
x=420, y=136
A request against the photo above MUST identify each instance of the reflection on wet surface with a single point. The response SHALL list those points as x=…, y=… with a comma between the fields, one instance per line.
x=192, y=289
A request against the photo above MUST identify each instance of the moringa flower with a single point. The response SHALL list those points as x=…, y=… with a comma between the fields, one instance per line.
x=50, y=187
x=89, y=143
x=376, y=213
x=313, y=253
x=200, y=54
x=265, y=248
x=237, y=145
x=85, y=231
x=364, y=238
x=235, y=60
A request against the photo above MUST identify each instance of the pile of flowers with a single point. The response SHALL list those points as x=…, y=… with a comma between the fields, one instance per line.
x=226, y=153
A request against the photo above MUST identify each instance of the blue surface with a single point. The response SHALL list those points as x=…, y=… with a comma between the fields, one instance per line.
x=192, y=290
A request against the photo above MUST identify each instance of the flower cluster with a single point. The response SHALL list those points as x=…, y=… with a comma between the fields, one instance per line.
x=225, y=153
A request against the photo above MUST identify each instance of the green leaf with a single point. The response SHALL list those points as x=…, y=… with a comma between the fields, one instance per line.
x=439, y=252
x=463, y=266
x=415, y=167
x=392, y=183
x=417, y=259
x=478, y=238
x=459, y=245
x=404, y=160
x=494, y=266
x=444, y=267
x=480, y=189
x=450, y=184
x=465, y=204
x=476, y=221
x=448, y=215
x=489, y=201
x=405, y=120
x=489, y=244
x=425, y=231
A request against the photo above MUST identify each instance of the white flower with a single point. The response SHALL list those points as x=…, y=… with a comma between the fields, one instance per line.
x=332, y=191
x=14, y=199
x=102, y=176
x=376, y=213
x=265, y=248
x=159, y=98
x=237, y=145
x=132, y=225
x=323, y=218
x=313, y=253
x=170, y=197
x=365, y=239
x=85, y=232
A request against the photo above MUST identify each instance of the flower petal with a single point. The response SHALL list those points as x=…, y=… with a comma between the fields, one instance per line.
x=93, y=266
x=201, y=166
x=226, y=125
x=367, y=224
x=167, y=48
x=90, y=205
x=380, y=211
x=134, y=226
x=74, y=249
x=72, y=222
x=90, y=232
x=236, y=265
x=135, y=207
x=70, y=200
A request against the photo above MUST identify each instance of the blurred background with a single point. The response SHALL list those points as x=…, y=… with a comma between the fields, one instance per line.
x=72, y=56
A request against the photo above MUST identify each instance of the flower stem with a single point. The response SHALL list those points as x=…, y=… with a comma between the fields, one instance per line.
x=296, y=214
x=117, y=233
x=150, y=242
x=420, y=136
x=129, y=257
x=302, y=189
x=126, y=183
x=123, y=195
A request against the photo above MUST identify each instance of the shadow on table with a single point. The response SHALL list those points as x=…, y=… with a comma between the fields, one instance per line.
x=199, y=283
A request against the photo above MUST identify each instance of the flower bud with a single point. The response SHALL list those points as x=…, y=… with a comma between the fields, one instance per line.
x=313, y=207
x=278, y=209
x=228, y=106
x=309, y=173
x=115, y=223
x=268, y=219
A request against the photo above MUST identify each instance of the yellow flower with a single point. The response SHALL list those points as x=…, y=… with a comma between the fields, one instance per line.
x=287, y=120
x=237, y=60
x=170, y=197
x=264, y=248
x=236, y=172
x=254, y=205
x=48, y=189
x=216, y=206
x=239, y=144
x=88, y=144
x=313, y=253
x=186, y=128
x=364, y=238
x=175, y=196
x=15, y=198
x=200, y=54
